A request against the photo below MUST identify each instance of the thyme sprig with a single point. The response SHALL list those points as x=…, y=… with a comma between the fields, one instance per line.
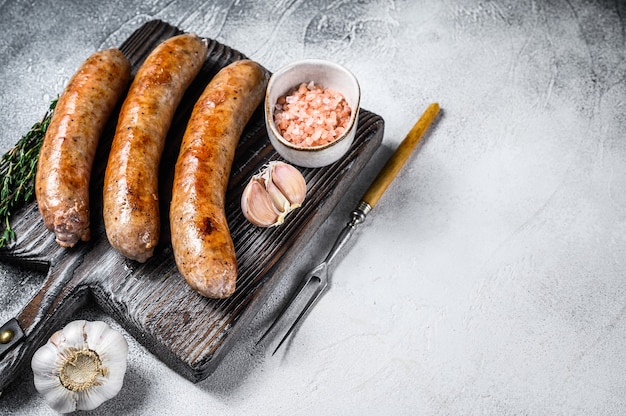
x=17, y=174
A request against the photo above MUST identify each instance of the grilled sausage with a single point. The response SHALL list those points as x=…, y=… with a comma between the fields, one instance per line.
x=201, y=240
x=69, y=146
x=131, y=204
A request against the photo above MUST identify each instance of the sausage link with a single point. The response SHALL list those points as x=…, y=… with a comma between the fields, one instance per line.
x=69, y=146
x=131, y=202
x=203, y=248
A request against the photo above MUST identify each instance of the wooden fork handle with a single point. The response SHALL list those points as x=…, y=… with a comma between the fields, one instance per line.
x=400, y=156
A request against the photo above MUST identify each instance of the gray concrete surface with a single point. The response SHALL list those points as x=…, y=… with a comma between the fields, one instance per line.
x=490, y=278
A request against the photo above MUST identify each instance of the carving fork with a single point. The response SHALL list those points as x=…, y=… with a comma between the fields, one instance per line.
x=316, y=281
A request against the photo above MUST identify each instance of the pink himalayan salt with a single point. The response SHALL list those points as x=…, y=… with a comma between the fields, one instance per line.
x=311, y=115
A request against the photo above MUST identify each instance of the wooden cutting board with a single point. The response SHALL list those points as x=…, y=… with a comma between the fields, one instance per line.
x=188, y=332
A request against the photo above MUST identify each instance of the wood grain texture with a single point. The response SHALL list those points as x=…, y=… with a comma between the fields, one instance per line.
x=188, y=332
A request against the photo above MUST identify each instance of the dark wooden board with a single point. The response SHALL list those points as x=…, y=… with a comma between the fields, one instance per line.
x=188, y=332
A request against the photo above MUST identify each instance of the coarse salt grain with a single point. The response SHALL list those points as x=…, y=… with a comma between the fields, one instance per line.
x=311, y=115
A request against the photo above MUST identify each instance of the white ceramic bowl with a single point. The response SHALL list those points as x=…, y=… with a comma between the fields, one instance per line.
x=328, y=75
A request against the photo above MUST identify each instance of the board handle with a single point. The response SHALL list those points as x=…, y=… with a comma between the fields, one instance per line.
x=58, y=298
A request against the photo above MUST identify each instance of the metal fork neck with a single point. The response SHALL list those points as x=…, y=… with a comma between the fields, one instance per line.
x=357, y=217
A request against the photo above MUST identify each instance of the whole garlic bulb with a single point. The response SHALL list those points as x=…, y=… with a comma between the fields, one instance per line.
x=274, y=192
x=81, y=366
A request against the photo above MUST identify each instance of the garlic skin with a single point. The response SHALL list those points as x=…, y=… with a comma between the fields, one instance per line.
x=81, y=366
x=271, y=194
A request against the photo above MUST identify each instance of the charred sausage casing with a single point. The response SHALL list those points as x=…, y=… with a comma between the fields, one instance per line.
x=131, y=202
x=203, y=248
x=70, y=143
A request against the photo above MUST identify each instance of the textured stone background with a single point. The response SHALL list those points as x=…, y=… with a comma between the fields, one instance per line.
x=490, y=278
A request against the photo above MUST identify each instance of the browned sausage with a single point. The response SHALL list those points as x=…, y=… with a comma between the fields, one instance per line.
x=202, y=244
x=131, y=202
x=71, y=140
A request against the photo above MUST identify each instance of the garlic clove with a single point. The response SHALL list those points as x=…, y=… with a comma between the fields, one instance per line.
x=46, y=358
x=256, y=204
x=110, y=352
x=279, y=201
x=92, y=400
x=80, y=366
x=290, y=182
x=274, y=192
x=60, y=400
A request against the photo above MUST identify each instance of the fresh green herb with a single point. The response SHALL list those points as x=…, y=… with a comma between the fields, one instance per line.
x=17, y=174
